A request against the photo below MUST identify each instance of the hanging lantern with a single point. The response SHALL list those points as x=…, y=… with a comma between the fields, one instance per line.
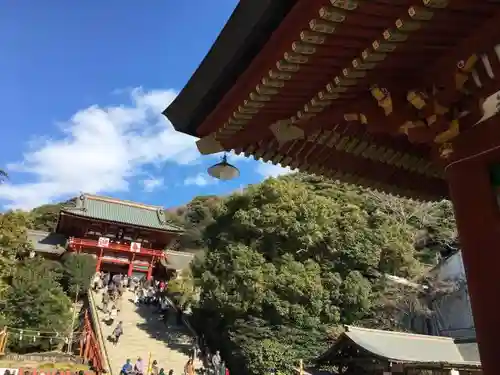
x=223, y=170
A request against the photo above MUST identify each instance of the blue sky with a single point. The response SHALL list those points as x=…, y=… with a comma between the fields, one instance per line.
x=83, y=86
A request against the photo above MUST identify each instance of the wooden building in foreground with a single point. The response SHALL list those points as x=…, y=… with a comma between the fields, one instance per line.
x=364, y=351
x=396, y=95
x=126, y=237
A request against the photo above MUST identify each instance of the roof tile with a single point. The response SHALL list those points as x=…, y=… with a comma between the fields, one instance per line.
x=110, y=209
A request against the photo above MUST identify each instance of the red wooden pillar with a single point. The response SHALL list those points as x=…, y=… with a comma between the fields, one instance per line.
x=150, y=268
x=478, y=220
x=131, y=266
x=99, y=261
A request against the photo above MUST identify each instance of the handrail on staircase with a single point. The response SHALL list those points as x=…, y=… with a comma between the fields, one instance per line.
x=99, y=334
x=90, y=349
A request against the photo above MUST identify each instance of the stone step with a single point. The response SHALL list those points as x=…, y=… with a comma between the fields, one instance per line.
x=145, y=334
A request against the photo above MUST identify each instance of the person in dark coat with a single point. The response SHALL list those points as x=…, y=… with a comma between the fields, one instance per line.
x=117, y=332
x=179, y=317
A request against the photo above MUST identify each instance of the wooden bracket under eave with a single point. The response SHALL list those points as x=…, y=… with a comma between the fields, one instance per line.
x=286, y=132
x=209, y=145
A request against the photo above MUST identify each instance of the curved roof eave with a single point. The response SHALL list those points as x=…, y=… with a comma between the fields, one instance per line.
x=245, y=33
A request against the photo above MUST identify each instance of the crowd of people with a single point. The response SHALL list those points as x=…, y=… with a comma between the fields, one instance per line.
x=148, y=292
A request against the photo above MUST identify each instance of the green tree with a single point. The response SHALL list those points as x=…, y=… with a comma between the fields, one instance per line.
x=183, y=289
x=13, y=245
x=78, y=272
x=35, y=300
x=303, y=255
x=13, y=240
x=45, y=217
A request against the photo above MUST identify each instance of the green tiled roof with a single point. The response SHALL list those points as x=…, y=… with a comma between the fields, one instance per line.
x=402, y=347
x=115, y=210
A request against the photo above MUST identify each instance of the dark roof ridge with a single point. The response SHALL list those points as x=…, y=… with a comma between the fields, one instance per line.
x=397, y=333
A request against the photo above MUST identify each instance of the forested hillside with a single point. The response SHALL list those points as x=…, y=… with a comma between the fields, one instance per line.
x=36, y=294
x=289, y=261
x=286, y=264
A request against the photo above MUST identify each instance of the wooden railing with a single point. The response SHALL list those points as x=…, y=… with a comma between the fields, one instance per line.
x=90, y=349
x=94, y=317
x=3, y=340
x=84, y=242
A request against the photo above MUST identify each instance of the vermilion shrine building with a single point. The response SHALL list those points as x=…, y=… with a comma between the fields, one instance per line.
x=126, y=237
x=396, y=95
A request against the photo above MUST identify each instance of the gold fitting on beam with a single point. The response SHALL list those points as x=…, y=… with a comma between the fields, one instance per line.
x=407, y=25
x=341, y=81
x=466, y=66
x=280, y=75
x=384, y=47
x=265, y=90
x=310, y=109
x=252, y=104
x=312, y=37
x=416, y=99
x=248, y=110
x=351, y=73
x=345, y=4
x=446, y=150
x=242, y=116
x=302, y=116
x=332, y=14
x=284, y=66
x=321, y=26
x=372, y=57
x=420, y=14
x=233, y=121
x=334, y=89
x=303, y=48
x=449, y=134
x=327, y=96
x=295, y=58
x=316, y=102
x=436, y=3
x=259, y=98
x=359, y=64
x=269, y=82
x=394, y=36
x=405, y=128
x=232, y=128
x=431, y=119
x=378, y=93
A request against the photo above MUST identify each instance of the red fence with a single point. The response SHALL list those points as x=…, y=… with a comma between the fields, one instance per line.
x=76, y=243
x=90, y=350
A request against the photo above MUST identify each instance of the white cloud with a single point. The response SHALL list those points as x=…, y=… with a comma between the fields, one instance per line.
x=152, y=183
x=99, y=150
x=271, y=170
x=200, y=179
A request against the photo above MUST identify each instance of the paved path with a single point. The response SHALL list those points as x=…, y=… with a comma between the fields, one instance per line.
x=145, y=333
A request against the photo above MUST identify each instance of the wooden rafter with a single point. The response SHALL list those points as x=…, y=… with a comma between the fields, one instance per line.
x=376, y=105
x=446, y=79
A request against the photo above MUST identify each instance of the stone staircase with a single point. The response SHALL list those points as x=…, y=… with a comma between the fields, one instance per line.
x=144, y=334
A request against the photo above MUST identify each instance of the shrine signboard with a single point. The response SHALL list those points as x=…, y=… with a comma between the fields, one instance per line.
x=103, y=242
x=135, y=247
